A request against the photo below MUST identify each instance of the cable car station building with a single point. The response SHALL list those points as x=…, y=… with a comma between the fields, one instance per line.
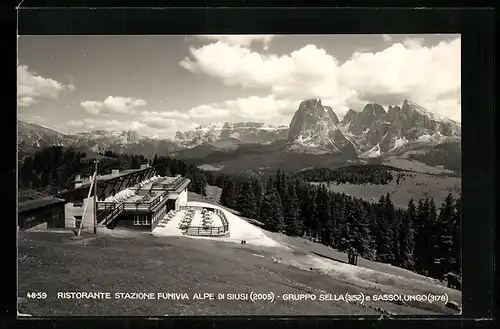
x=136, y=199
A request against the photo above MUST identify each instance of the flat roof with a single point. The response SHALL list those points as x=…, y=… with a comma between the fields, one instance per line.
x=107, y=177
x=181, y=186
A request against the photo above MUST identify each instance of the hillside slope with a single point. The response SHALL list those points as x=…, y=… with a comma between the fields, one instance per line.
x=183, y=265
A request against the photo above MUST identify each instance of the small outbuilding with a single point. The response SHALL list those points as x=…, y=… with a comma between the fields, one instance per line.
x=39, y=210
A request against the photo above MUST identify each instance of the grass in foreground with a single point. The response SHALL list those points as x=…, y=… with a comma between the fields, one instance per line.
x=139, y=262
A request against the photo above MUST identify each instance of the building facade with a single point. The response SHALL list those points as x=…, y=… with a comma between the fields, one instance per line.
x=136, y=199
x=146, y=206
x=39, y=211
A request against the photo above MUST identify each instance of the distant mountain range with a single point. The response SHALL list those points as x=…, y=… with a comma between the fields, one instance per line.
x=244, y=132
x=369, y=133
x=32, y=137
x=315, y=129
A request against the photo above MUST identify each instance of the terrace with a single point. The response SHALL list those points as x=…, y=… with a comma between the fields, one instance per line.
x=168, y=183
x=141, y=197
x=194, y=221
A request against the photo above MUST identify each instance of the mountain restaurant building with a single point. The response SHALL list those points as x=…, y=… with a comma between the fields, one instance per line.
x=134, y=199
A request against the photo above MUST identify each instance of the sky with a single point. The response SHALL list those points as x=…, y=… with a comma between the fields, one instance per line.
x=160, y=84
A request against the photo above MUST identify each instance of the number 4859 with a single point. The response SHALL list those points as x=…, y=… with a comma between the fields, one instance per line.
x=36, y=295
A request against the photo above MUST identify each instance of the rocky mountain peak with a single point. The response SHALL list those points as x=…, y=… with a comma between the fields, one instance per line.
x=315, y=126
x=365, y=119
x=130, y=136
x=349, y=116
x=311, y=112
x=238, y=132
x=374, y=110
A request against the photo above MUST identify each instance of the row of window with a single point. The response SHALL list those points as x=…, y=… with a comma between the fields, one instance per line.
x=141, y=220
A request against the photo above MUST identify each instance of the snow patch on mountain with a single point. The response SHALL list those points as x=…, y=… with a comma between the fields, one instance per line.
x=373, y=152
x=244, y=132
x=400, y=142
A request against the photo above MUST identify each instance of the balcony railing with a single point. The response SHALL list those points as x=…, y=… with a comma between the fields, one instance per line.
x=109, y=214
x=172, y=185
x=146, y=206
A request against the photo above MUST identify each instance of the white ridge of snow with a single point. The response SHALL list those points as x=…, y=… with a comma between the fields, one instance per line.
x=333, y=144
x=431, y=115
x=400, y=142
x=373, y=152
x=424, y=138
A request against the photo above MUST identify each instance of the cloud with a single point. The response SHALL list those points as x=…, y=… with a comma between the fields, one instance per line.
x=211, y=111
x=25, y=101
x=31, y=88
x=158, y=122
x=402, y=70
x=386, y=37
x=95, y=124
x=167, y=115
x=114, y=105
x=240, y=40
x=413, y=43
x=267, y=109
x=256, y=109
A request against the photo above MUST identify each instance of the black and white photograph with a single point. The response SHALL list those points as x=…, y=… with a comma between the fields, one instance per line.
x=207, y=175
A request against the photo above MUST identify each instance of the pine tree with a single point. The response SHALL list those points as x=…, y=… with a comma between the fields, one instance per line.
x=384, y=235
x=227, y=196
x=421, y=249
x=306, y=198
x=433, y=261
x=271, y=212
x=283, y=185
x=445, y=230
x=270, y=184
x=346, y=241
x=258, y=193
x=336, y=219
x=278, y=183
x=293, y=225
x=321, y=213
x=201, y=184
x=456, y=263
x=360, y=231
x=246, y=200
x=406, y=237
x=135, y=164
